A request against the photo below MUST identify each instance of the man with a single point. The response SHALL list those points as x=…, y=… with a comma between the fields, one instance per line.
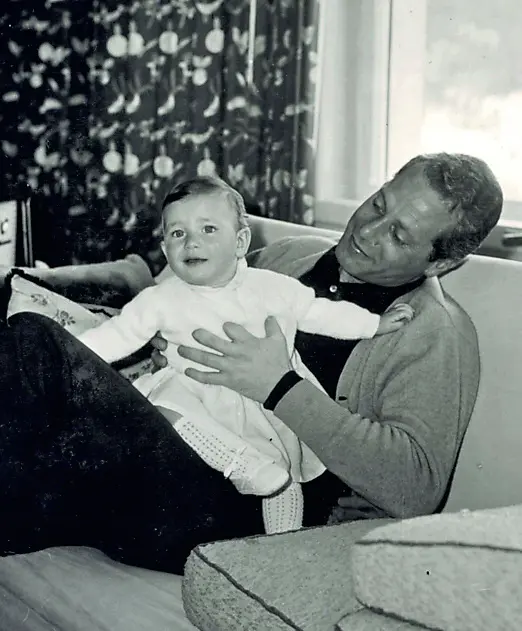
x=391, y=428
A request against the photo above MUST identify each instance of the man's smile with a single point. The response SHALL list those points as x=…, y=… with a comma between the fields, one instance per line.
x=357, y=248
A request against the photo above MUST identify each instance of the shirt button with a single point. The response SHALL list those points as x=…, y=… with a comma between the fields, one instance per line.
x=333, y=289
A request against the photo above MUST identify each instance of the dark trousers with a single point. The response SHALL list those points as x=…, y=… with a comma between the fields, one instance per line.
x=86, y=460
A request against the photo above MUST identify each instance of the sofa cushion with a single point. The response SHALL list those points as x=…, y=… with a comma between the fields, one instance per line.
x=458, y=572
x=489, y=462
x=296, y=580
x=76, y=588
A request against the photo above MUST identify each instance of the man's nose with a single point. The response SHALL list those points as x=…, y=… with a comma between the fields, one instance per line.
x=373, y=230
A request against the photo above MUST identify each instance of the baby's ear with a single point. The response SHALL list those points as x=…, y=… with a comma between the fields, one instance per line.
x=243, y=242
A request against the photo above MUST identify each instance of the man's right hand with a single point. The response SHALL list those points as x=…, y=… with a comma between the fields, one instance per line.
x=160, y=345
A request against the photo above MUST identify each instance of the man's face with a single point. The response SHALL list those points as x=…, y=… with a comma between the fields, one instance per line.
x=389, y=238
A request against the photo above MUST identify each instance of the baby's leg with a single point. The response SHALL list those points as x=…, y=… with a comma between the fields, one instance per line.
x=284, y=511
x=251, y=471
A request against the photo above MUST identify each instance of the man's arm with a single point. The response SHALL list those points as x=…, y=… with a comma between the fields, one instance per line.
x=402, y=457
x=137, y=323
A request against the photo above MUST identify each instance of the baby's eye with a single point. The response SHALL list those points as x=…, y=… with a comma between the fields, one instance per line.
x=177, y=234
x=209, y=229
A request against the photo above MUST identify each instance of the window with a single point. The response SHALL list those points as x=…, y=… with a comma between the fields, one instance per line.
x=418, y=76
x=353, y=104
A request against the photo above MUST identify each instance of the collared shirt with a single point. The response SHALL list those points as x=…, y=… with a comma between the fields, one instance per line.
x=325, y=356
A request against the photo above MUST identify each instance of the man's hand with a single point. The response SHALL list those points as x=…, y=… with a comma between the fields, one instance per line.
x=352, y=508
x=160, y=346
x=245, y=363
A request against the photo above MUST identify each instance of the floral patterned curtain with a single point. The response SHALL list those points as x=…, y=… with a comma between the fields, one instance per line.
x=107, y=104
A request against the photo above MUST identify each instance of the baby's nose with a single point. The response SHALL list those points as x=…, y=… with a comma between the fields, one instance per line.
x=192, y=241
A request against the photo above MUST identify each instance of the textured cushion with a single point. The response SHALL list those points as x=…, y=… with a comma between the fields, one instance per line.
x=458, y=572
x=296, y=580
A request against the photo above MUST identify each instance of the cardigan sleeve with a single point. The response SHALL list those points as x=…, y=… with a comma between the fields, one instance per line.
x=401, y=458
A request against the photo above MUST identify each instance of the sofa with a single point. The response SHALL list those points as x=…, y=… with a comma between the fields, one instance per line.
x=454, y=571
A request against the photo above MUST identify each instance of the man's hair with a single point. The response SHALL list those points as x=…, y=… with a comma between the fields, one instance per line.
x=206, y=185
x=470, y=191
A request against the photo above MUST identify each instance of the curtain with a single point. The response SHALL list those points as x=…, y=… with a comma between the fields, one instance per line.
x=107, y=104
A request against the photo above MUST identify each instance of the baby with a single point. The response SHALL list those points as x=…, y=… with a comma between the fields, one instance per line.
x=205, y=240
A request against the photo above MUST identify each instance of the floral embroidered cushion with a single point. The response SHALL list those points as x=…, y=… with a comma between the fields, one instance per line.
x=32, y=295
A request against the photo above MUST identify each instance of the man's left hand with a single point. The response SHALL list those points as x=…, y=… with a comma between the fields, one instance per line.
x=245, y=363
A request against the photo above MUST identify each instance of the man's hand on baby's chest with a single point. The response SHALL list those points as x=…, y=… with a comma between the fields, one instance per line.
x=245, y=363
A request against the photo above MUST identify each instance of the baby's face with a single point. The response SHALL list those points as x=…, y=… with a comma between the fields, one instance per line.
x=201, y=240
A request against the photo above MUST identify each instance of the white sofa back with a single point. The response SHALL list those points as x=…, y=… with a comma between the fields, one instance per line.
x=489, y=468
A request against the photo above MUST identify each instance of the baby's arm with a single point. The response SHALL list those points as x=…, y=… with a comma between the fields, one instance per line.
x=127, y=332
x=340, y=319
x=346, y=320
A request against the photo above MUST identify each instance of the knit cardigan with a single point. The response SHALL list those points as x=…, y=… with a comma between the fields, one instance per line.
x=403, y=400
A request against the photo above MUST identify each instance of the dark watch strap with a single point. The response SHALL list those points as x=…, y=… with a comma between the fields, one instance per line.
x=286, y=383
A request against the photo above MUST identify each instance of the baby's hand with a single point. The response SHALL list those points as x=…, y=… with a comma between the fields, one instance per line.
x=394, y=318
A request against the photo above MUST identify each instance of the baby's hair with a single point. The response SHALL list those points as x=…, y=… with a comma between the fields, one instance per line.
x=206, y=185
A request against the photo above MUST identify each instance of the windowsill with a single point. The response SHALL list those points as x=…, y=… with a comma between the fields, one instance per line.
x=333, y=214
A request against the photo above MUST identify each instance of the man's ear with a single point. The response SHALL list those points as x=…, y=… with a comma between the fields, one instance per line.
x=442, y=266
x=243, y=242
